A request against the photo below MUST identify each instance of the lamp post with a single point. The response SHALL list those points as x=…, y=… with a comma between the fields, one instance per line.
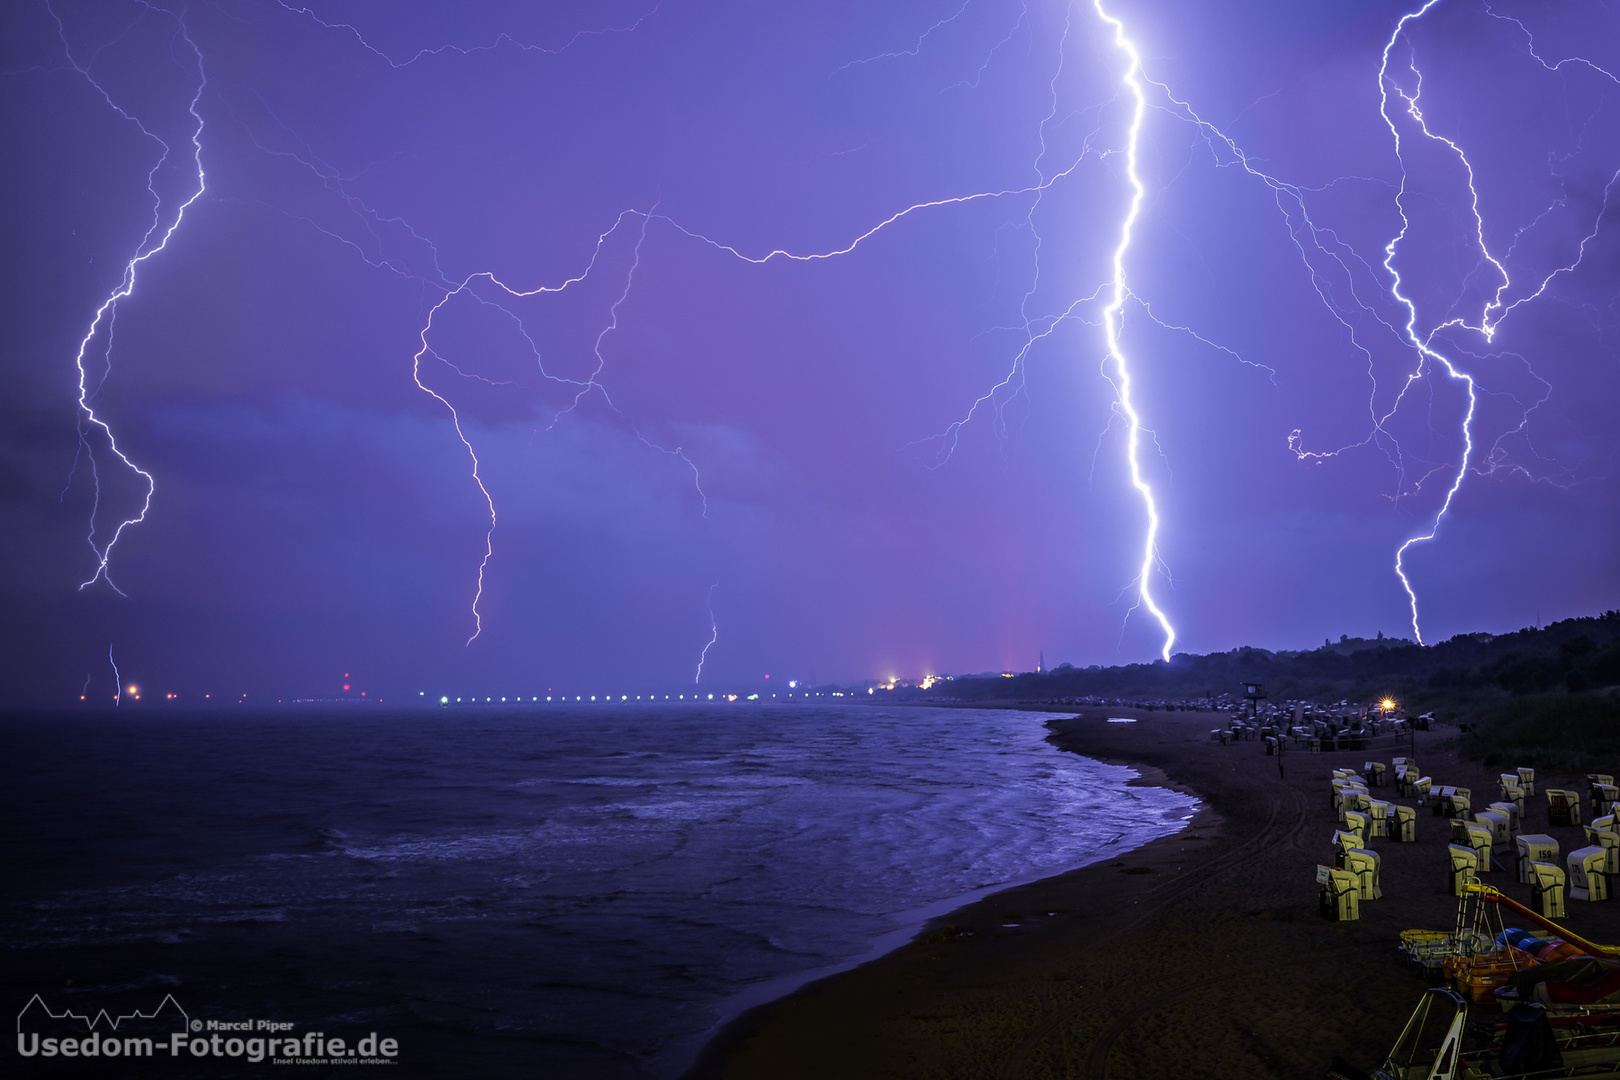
x=1255, y=692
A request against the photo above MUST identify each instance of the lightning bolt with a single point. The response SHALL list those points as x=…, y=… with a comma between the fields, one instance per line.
x=1334, y=269
x=1113, y=325
x=714, y=634
x=1494, y=310
x=118, y=680
x=915, y=49
x=1423, y=343
x=468, y=50
x=155, y=240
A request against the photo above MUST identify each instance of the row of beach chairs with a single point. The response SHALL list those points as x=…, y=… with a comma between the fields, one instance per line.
x=1478, y=836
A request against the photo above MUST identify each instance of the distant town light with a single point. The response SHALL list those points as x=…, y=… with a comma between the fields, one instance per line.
x=793, y=684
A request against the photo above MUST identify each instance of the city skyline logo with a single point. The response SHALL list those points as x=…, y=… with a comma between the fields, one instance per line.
x=42, y=1013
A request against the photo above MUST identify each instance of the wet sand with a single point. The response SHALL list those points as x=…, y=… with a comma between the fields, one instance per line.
x=1199, y=955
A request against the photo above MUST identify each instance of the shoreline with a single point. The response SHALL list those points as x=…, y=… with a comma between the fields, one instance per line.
x=743, y=1012
x=1198, y=954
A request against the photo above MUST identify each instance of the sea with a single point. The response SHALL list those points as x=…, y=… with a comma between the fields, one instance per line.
x=537, y=890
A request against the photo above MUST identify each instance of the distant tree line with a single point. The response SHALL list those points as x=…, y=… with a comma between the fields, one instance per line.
x=1462, y=675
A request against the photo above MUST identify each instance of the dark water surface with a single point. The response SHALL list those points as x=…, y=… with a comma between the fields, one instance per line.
x=512, y=893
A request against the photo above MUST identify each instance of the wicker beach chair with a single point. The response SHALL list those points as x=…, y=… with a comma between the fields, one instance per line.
x=1547, y=890
x=1587, y=880
x=1533, y=848
x=1563, y=807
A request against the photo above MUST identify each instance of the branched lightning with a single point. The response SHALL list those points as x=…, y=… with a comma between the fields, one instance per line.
x=468, y=50
x=155, y=240
x=1359, y=292
x=1422, y=343
x=915, y=49
x=1334, y=268
x=714, y=634
x=1494, y=310
x=118, y=680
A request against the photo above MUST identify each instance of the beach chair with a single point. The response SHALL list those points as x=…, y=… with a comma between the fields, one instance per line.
x=1343, y=842
x=1356, y=821
x=1419, y=788
x=1377, y=812
x=1477, y=837
x=1563, y=807
x=1527, y=780
x=1610, y=842
x=1438, y=794
x=1374, y=772
x=1403, y=824
x=1587, y=881
x=1533, y=847
x=1497, y=823
x=1364, y=864
x=1457, y=806
x=1513, y=793
x=1604, y=796
x=1547, y=890
x=1509, y=810
x=1595, y=778
x=1606, y=822
x=1464, y=868
x=1404, y=775
x=1339, y=895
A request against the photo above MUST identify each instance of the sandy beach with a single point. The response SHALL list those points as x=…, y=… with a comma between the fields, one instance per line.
x=1199, y=955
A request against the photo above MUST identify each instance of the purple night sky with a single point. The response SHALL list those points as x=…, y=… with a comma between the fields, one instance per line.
x=905, y=458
